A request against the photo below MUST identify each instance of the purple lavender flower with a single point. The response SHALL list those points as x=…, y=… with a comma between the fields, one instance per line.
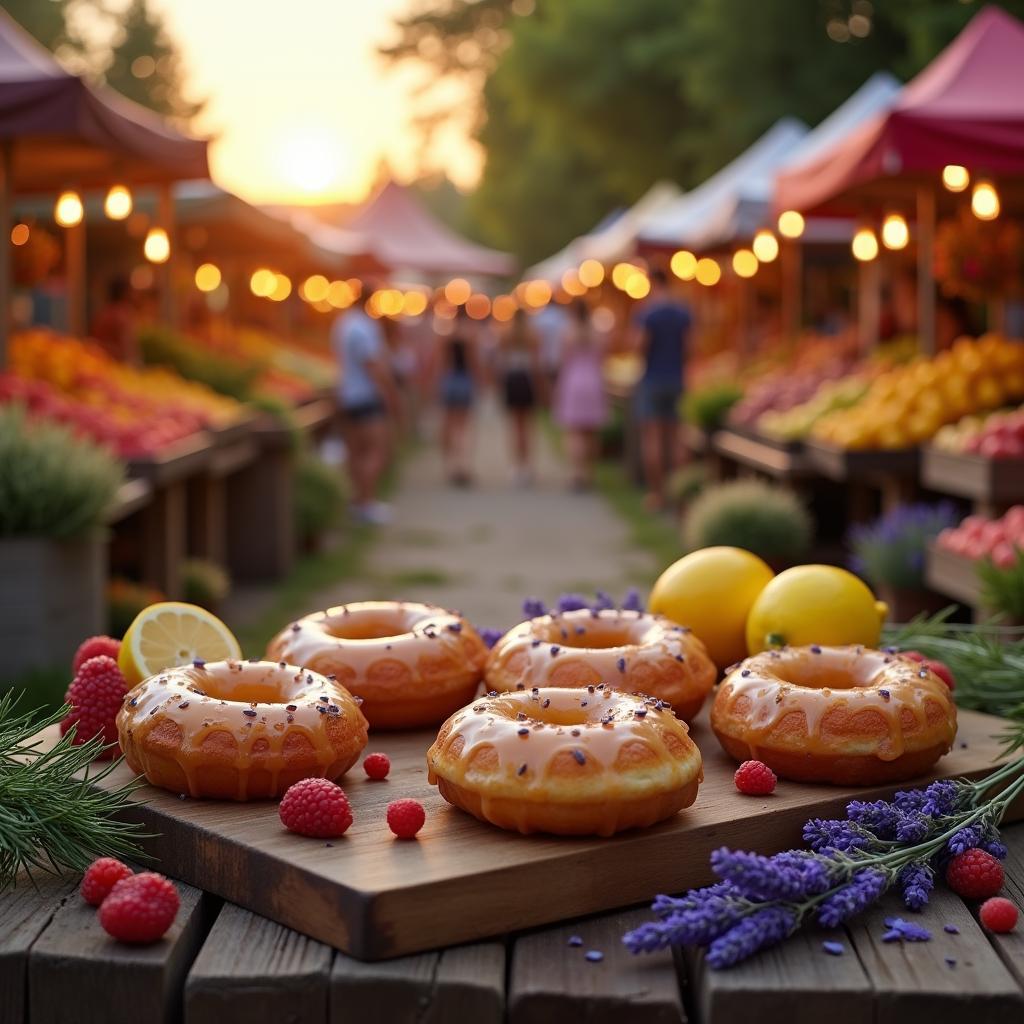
x=912, y=828
x=534, y=608
x=602, y=602
x=995, y=847
x=880, y=816
x=696, y=919
x=666, y=906
x=911, y=800
x=632, y=602
x=571, y=602
x=755, y=932
x=941, y=798
x=489, y=636
x=965, y=839
x=905, y=930
x=792, y=875
x=823, y=834
x=916, y=882
x=862, y=890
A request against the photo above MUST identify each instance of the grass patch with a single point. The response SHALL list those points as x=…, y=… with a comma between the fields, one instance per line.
x=418, y=577
x=42, y=688
x=648, y=530
x=417, y=537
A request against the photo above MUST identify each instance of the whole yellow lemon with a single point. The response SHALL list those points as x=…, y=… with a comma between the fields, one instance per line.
x=712, y=591
x=815, y=604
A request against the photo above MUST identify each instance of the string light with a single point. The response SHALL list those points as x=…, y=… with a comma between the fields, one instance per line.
x=985, y=201
x=683, y=264
x=314, y=288
x=457, y=291
x=765, y=246
x=572, y=284
x=864, y=245
x=414, y=303
x=621, y=273
x=955, y=177
x=19, y=234
x=537, y=294
x=895, y=233
x=478, y=306
x=591, y=273
x=707, y=272
x=118, y=203
x=504, y=306
x=262, y=283
x=638, y=286
x=157, y=247
x=791, y=224
x=744, y=263
x=340, y=295
x=282, y=288
x=208, y=277
x=68, y=210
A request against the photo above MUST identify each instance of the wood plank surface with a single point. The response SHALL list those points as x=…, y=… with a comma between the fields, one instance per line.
x=25, y=911
x=463, y=983
x=552, y=982
x=1011, y=946
x=253, y=970
x=79, y=975
x=373, y=896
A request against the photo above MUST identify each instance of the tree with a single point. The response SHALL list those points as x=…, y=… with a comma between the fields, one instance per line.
x=44, y=19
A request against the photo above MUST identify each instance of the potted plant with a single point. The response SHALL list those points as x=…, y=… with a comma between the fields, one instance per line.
x=890, y=554
x=1002, y=588
x=770, y=521
x=55, y=490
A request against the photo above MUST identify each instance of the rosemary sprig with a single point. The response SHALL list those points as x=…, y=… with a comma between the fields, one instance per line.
x=53, y=816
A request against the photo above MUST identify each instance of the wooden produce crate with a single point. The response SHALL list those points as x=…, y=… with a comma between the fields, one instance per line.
x=781, y=460
x=953, y=575
x=863, y=465
x=993, y=484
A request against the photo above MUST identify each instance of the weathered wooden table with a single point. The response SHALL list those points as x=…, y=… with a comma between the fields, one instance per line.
x=222, y=964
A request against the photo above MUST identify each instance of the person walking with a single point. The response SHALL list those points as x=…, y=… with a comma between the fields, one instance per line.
x=457, y=361
x=661, y=330
x=519, y=372
x=368, y=400
x=581, y=407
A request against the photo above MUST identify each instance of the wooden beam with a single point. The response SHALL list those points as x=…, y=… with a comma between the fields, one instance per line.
x=926, y=269
x=166, y=272
x=869, y=303
x=74, y=256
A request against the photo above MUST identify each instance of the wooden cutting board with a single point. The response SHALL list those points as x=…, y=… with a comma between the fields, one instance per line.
x=374, y=897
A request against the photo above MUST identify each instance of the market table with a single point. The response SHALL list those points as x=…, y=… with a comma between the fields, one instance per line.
x=221, y=964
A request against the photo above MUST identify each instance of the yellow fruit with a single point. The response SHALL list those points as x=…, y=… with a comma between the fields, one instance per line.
x=172, y=633
x=712, y=591
x=815, y=604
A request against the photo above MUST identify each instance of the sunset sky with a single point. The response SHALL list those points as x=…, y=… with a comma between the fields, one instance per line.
x=303, y=108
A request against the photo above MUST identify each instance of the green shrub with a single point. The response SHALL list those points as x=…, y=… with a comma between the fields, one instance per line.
x=770, y=521
x=233, y=377
x=319, y=497
x=1002, y=590
x=52, y=483
x=708, y=407
x=687, y=482
x=205, y=583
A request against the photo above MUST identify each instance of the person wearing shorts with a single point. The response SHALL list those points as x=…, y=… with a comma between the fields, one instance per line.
x=661, y=331
x=519, y=373
x=457, y=358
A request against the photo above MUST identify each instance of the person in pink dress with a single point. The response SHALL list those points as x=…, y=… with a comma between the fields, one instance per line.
x=581, y=407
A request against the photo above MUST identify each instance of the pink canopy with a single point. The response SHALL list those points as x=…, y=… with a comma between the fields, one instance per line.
x=403, y=235
x=65, y=132
x=966, y=107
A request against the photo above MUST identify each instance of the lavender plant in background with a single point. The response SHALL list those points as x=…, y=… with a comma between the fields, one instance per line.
x=891, y=550
x=851, y=861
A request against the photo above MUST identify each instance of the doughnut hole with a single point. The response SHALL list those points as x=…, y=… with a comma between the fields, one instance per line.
x=573, y=672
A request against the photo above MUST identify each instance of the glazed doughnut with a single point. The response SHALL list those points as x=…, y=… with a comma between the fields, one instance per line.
x=845, y=715
x=590, y=761
x=239, y=730
x=411, y=664
x=631, y=651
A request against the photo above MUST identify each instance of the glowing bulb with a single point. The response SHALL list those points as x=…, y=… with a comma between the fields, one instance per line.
x=504, y=306
x=744, y=263
x=68, y=210
x=765, y=246
x=157, y=247
x=684, y=265
x=340, y=295
x=208, y=277
x=282, y=288
x=707, y=272
x=955, y=177
x=791, y=224
x=19, y=234
x=478, y=306
x=864, y=245
x=414, y=303
x=118, y=204
x=638, y=286
x=591, y=273
x=457, y=291
x=572, y=284
x=895, y=233
x=985, y=201
x=621, y=273
x=537, y=294
x=314, y=288
x=262, y=283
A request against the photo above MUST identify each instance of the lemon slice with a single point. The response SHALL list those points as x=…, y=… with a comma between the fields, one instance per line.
x=170, y=634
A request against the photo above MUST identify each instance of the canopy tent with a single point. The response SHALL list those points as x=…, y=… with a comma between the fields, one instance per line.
x=683, y=221
x=401, y=234
x=748, y=208
x=963, y=108
x=617, y=240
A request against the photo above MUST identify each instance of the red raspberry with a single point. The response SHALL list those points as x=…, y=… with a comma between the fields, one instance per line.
x=377, y=766
x=95, y=697
x=913, y=655
x=140, y=909
x=974, y=874
x=93, y=648
x=755, y=779
x=406, y=817
x=942, y=670
x=998, y=914
x=101, y=877
x=317, y=808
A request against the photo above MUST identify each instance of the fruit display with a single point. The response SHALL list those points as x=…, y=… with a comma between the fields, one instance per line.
x=997, y=435
x=783, y=390
x=907, y=405
x=796, y=423
x=134, y=412
x=979, y=537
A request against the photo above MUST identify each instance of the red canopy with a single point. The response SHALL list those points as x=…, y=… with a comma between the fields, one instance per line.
x=966, y=107
x=68, y=133
x=403, y=235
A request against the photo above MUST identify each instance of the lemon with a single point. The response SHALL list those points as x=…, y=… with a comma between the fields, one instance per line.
x=173, y=633
x=815, y=604
x=711, y=591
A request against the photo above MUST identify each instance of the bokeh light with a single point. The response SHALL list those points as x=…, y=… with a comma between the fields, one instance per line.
x=262, y=282
x=314, y=288
x=707, y=272
x=340, y=295
x=157, y=247
x=683, y=264
x=208, y=277
x=791, y=224
x=744, y=263
x=68, y=210
x=895, y=233
x=478, y=306
x=20, y=234
x=282, y=288
x=118, y=203
x=414, y=303
x=955, y=177
x=765, y=246
x=537, y=294
x=591, y=273
x=621, y=273
x=864, y=245
x=457, y=291
x=572, y=284
x=504, y=308
x=985, y=201
x=638, y=286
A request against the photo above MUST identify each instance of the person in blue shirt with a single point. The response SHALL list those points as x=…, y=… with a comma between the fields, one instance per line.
x=661, y=330
x=368, y=398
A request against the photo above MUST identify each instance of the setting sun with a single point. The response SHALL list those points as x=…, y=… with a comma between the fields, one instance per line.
x=312, y=163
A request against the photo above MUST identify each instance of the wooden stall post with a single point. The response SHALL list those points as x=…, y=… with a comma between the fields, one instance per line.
x=6, y=263
x=166, y=272
x=869, y=303
x=74, y=255
x=926, y=269
x=792, y=288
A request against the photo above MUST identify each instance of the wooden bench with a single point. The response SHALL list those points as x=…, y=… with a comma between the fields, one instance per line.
x=221, y=964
